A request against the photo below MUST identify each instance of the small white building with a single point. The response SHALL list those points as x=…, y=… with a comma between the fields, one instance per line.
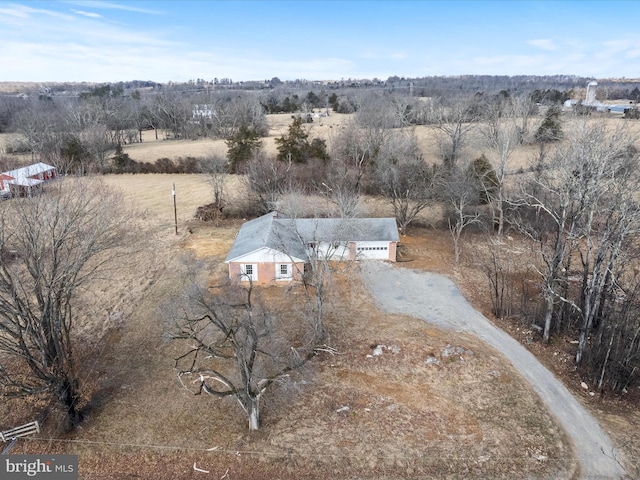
x=203, y=111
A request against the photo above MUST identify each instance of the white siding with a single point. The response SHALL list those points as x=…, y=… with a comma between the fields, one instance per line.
x=335, y=251
x=266, y=255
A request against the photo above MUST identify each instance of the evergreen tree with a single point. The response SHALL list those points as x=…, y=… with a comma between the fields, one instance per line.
x=296, y=147
x=241, y=147
x=550, y=130
x=485, y=177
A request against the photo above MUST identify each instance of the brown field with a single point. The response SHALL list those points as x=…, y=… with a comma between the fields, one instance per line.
x=327, y=128
x=473, y=417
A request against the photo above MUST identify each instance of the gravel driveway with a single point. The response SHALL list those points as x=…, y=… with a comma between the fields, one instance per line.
x=437, y=300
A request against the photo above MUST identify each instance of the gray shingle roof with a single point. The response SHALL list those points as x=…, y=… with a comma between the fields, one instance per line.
x=348, y=230
x=290, y=236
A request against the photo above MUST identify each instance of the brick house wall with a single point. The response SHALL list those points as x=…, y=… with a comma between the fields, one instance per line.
x=266, y=272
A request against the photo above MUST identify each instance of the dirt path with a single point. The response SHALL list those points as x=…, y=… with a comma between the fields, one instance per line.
x=437, y=300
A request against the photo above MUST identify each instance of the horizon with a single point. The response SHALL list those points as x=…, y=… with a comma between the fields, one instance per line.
x=78, y=41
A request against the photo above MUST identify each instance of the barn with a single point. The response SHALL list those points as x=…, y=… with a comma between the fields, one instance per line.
x=22, y=181
x=274, y=248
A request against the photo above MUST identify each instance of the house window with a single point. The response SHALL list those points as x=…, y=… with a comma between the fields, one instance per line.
x=248, y=272
x=283, y=271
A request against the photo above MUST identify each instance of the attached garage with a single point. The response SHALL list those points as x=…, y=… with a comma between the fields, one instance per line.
x=372, y=251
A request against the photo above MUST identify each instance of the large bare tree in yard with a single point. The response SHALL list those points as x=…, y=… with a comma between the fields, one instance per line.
x=267, y=181
x=237, y=348
x=53, y=245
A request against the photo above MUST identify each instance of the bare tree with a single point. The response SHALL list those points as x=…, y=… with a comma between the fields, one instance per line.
x=237, y=349
x=404, y=178
x=230, y=114
x=53, y=246
x=267, y=180
x=459, y=192
x=454, y=120
x=172, y=113
x=325, y=245
x=99, y=144
x=374, y=118
x=44, y=133
x=350, y=160
x=217, y=168
x=502, y=135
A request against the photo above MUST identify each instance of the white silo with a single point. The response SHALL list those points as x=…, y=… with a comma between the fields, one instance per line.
x=591, y=93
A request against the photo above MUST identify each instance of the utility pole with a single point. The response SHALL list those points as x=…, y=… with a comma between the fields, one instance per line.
x=175, y=210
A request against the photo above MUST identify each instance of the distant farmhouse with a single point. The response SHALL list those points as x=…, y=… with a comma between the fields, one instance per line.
x=273, y=248
x=203, y=111
x=23, y=181
x=590, y=102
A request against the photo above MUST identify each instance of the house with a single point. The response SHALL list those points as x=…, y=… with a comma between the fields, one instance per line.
x=273, y=248
x=21, y=181
x=203, y=112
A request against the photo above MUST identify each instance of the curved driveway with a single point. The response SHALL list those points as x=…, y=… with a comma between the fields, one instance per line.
x=437, y=300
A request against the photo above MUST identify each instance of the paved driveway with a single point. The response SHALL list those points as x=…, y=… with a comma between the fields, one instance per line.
x=437, y=300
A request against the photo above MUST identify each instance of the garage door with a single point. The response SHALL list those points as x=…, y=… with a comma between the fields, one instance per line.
x=372, y=250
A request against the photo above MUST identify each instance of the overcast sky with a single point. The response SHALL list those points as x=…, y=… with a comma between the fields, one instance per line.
x=104, y=41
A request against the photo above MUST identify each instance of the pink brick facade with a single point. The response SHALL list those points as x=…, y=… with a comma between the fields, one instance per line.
x=266, y=272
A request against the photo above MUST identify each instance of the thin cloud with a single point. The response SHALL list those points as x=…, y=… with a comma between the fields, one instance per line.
x=87, y=14
x=102, y=5
x=543, y=43
x=25, y=12
x=625, y=47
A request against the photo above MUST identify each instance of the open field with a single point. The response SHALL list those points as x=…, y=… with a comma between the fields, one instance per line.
x=327, y=128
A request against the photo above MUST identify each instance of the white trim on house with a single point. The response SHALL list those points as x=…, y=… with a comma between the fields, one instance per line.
x=266, y=254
